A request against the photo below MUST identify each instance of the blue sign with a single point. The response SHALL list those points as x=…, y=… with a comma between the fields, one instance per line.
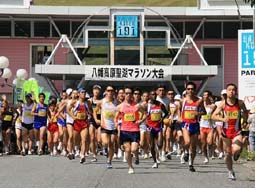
x=247, y=50
x=127, y=26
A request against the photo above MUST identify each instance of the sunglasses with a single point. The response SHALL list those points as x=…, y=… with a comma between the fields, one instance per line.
x=170, y=93
x=128, y=93
x=190, y=88
x=110, y=90
x=136, y=93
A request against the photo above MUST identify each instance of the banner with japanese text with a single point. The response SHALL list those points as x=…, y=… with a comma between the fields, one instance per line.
x=246, y=67
x=128, y=73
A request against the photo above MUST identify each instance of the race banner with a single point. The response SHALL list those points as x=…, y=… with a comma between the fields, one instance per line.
x=128, y=73
x=246, y=67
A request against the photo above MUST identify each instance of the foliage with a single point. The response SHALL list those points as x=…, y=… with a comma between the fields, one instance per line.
x=252, y=2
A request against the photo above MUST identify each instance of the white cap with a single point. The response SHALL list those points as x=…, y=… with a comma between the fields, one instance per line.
x=184, y=93
x=69, y=91
x=224, y=91
x=177, y=97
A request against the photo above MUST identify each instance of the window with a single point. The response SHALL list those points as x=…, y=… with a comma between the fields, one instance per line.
x=63, y=26
x=22, y=28
x=212, y=30
x=230, y=29
x=42, y=29
x=178, y=29
x=213, y=55
x=5, y=28
x=247, y=25
x=191, y=27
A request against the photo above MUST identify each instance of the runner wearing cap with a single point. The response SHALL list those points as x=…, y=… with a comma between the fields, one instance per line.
x=39, y=111
x=107, y=107
x=233, y=110
x=219, y=124
x=94, y=126
x=79, y=111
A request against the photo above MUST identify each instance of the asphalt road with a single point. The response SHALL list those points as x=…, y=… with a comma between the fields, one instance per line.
x=45, y=171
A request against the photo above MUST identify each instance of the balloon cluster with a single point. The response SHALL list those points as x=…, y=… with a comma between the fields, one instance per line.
x=5, y=72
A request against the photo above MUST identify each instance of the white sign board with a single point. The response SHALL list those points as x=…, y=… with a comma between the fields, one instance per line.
x=246, y=67
x=128, y=73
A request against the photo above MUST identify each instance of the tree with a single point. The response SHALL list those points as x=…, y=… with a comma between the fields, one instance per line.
x=252, y=2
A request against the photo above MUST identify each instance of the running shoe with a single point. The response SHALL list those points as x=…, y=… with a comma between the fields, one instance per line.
x=221, y=155
x=23, y=153
x=82, y=160
x=168, y=156
x=55, y=152
x=77, y=153
x=179, y=152
x=146, y=156
x=70, y=156
x=109, y=165
x=131, y=171
x=163, y=158
x=231, y=175
x=158, y=161
x=182, y=158
x=29, y=152
x=119, y=153
x=94, y=159
x=236, y=156
x=63, y=153
x=191, y=168
x=206, y=161
x=186, y=157
x=137, y=161
x=40, y=152
x=155, y=165
x=115, y=156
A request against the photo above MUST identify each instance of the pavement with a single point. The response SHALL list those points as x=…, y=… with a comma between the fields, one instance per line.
x=46, y=171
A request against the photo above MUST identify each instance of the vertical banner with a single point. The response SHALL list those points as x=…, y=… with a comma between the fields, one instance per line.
x=246, y=67
x=18, y=91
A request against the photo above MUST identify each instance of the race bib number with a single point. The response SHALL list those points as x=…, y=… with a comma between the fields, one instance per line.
x=27, y=114
x=99, y=111
x=42, y=112
x=18, y=120
x=55, y=120
x=81, y=116
x=206, y=117
x=129, y=117
x=189, y=115
x=232, y=114
x=155, y=116
x=7, y=118
x=172, y=110
x=109, y=115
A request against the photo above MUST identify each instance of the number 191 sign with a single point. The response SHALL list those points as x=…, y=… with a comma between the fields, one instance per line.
x=127, y=26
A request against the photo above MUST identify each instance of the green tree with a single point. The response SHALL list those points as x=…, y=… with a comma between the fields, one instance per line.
x=252, y=2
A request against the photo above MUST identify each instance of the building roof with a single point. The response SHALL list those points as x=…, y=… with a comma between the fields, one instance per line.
x=100, y=10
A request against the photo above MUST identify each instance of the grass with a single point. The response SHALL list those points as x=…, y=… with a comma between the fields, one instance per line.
x=117, y=2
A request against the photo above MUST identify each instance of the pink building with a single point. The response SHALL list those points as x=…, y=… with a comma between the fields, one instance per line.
x=28, y=35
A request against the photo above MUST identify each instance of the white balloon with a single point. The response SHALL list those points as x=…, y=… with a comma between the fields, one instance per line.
x=31, y=79
x=7, y=73
x=14, y=82
x=4, y=62
x=21, y=74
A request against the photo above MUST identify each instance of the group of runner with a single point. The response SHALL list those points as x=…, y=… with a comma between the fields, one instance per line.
x=130, y=122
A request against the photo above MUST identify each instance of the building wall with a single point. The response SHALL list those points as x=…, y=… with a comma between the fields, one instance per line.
x=230, y=59
x=18, y=53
